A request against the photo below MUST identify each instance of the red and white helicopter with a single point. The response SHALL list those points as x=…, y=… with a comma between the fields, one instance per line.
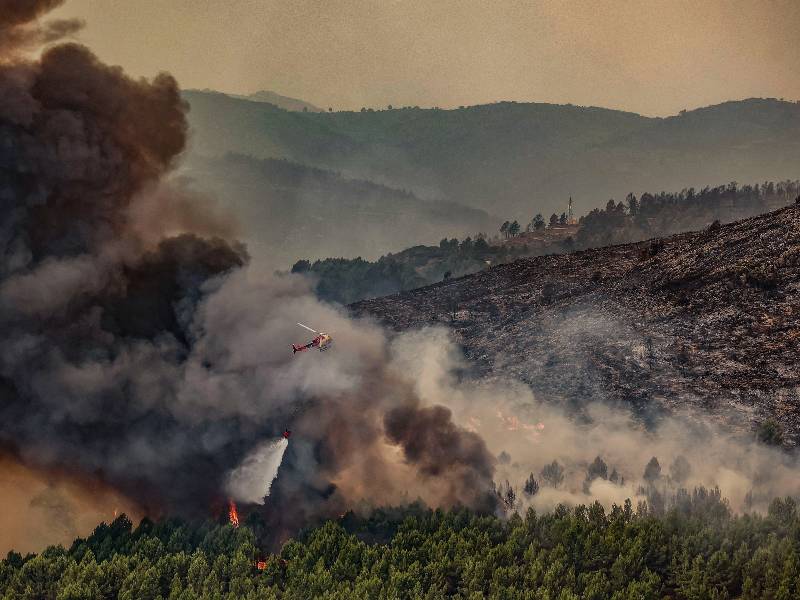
x=323, y=341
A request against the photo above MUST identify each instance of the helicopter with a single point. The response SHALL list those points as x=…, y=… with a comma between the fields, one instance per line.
x=323, y=341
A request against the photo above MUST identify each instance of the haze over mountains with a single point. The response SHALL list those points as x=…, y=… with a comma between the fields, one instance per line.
x=513, y=159
x=288, y=210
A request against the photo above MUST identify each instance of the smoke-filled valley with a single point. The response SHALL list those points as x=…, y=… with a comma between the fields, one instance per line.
x=148, y=366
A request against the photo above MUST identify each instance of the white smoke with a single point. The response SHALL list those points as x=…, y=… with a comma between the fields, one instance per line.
x=527, y=433
x=252, y=480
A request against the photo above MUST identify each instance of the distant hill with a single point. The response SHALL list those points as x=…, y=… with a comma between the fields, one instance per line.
x=284, y=102
x=516, y=159
x=288, y=210
x=697, y=322
x=267, y=97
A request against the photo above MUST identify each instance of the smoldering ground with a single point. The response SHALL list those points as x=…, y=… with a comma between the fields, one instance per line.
x=527, y=434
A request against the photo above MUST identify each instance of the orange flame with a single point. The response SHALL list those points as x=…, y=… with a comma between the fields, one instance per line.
x=233, y=514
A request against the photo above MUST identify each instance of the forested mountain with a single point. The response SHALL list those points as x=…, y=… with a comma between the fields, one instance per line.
x=287, y=210
x=515, y=158
x=348, y=280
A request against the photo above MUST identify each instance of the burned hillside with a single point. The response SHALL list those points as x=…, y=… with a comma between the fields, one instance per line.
x=698, y=322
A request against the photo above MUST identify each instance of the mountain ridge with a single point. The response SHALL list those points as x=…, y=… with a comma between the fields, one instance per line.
x=515, y=158
x=268, y=97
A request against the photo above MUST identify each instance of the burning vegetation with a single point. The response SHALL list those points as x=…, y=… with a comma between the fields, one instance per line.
x=139, y=346
x=233, y=514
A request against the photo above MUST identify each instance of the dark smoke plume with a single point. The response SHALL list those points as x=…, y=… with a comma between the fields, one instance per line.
x=19, y=29
x=93, y=313
x=432, y=441
x=141, y=351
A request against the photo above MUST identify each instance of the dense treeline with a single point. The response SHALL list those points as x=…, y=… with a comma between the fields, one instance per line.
x=348, y=280
x=653, y=215
x=659, y=215
x=697, y=550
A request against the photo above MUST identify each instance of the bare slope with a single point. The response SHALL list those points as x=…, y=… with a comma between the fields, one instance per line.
x=698, y=321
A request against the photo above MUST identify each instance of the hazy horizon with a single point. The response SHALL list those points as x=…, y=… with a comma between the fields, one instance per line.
x=238, y=94
x=653, y=58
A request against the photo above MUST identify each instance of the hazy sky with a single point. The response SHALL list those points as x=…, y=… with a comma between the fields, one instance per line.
x=654, y=57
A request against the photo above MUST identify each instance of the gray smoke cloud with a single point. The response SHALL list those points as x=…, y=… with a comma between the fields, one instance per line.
x=361, y=432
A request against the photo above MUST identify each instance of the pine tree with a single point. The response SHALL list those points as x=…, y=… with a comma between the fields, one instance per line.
x=652, y=472
x=553, y=474
x=597, y=470
x=175, y=588
x=680, y=469
x=531, y=487
x=198, y=571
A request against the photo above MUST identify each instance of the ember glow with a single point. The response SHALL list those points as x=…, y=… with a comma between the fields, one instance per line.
x=513, y=423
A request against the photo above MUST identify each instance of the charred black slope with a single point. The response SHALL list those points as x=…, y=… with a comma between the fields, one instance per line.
x=698, y=321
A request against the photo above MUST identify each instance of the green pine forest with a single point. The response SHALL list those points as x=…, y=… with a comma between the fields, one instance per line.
x=696, y=550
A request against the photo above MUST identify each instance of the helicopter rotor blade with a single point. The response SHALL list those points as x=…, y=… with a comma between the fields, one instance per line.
x=307, y=327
